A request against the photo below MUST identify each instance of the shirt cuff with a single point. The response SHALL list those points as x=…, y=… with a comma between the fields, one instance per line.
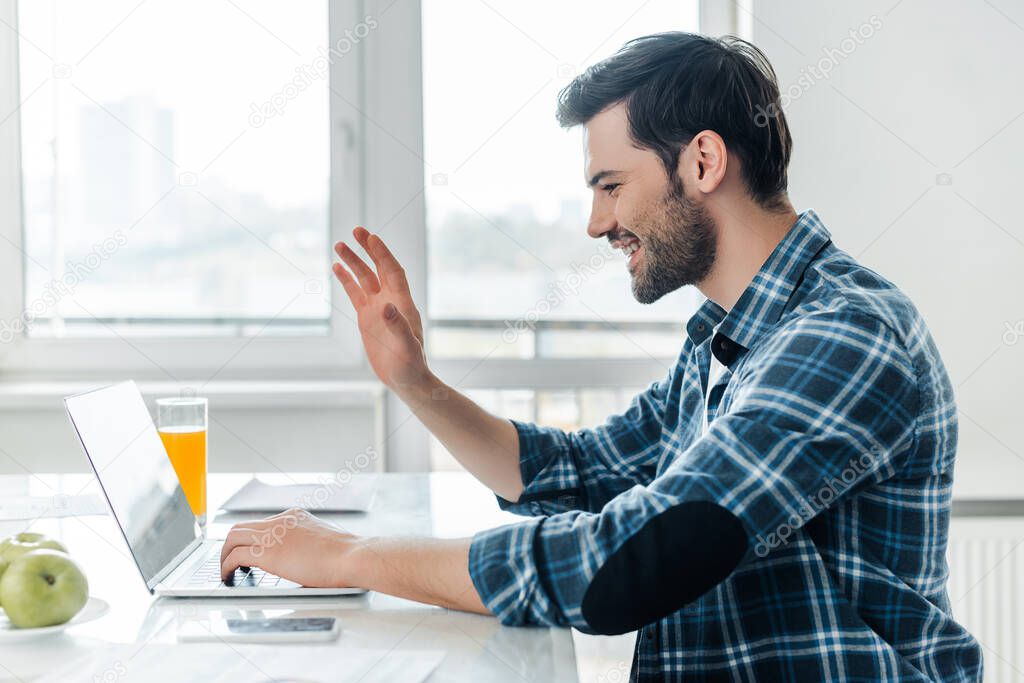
x=504, y=572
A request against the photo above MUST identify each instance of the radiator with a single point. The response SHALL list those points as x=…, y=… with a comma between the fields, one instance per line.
x=986, y=590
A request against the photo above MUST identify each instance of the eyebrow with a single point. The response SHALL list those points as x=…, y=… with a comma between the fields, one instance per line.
x=598, y=177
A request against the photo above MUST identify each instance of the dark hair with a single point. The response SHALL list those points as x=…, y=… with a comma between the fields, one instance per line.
x=677, y=84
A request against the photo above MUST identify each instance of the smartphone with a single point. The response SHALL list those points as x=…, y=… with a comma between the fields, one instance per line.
x=260, y=630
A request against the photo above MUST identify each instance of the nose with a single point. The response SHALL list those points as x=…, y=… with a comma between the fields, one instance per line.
x=602, y=218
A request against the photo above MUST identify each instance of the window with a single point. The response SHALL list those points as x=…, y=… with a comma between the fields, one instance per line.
x=511, y=271
x=155, y=181
x=189, y=164
x=524, y=308
x=176, y=183
x=567, y=409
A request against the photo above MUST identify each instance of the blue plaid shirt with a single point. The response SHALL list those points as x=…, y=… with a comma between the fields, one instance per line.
x=831, y=436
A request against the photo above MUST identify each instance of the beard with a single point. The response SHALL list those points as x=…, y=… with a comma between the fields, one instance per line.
x=679, y=245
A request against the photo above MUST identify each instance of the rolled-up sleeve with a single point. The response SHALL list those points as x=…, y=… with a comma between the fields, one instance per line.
x=583, y=470
x=828, y=406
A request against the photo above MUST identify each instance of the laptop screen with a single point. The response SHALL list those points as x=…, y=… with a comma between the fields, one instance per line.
x=129, y=459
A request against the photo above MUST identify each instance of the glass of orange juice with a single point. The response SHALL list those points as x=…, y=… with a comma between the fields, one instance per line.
x=181, y=423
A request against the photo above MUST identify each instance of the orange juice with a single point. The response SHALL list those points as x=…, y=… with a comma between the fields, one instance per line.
x=186, y=447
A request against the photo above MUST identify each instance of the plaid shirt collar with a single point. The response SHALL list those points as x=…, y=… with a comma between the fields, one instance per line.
x=761, y=305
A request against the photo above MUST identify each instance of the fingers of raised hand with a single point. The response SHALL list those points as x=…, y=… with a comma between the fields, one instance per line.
x=387, y=264
x=352, y=288
x=389, y=269
x=367, y=279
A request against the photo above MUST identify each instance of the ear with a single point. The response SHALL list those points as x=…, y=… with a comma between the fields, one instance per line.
x=703, y=162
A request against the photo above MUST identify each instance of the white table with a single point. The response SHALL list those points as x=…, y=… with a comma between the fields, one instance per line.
x=444, y=504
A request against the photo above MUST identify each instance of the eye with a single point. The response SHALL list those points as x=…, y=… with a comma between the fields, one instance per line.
x=610, y=188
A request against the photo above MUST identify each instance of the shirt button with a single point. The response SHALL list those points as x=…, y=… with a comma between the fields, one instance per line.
x=700, y=327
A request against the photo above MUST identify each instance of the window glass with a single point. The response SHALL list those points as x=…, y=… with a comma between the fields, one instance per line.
x=175, y=171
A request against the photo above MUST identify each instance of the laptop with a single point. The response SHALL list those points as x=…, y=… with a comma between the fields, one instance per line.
x=148, y=504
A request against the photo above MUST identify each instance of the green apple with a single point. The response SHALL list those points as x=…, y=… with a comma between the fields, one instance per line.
x=19, y=544
x=15, y=546
x=43, y=588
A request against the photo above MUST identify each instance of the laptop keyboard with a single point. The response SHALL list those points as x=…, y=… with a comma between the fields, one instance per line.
x=208, y=575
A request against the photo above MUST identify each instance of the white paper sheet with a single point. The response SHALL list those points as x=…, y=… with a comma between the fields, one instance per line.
x=333, y=495
x=233, y=663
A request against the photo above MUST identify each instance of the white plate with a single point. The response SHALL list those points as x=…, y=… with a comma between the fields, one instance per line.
x=94, y=609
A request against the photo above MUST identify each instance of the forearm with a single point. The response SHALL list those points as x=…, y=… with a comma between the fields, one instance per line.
x=433, y=571
x=486, y=445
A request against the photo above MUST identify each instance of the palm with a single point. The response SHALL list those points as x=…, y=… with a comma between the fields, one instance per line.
x=387, y=357
x=393, y=346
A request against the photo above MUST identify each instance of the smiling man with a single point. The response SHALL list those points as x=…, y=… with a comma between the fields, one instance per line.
x=777, y=507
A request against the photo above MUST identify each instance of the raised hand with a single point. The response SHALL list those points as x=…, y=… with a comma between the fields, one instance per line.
x=388, y=321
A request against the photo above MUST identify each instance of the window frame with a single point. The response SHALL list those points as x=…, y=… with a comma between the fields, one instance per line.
x=339, y=352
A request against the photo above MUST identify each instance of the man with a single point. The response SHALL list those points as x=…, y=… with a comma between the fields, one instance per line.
x=777, y=507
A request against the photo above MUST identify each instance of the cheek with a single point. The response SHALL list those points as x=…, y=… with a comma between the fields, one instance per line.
x=636, y=205
x=626, y=212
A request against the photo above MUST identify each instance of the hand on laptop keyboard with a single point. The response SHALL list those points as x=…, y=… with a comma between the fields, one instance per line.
x=242, y=572
x=209, y=575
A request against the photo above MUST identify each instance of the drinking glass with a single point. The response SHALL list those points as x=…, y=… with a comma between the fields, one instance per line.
x=181, y=423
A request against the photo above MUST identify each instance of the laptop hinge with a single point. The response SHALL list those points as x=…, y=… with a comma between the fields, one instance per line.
x=173, y=564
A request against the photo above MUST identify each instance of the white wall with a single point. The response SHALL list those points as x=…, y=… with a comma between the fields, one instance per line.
x=911, y=151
